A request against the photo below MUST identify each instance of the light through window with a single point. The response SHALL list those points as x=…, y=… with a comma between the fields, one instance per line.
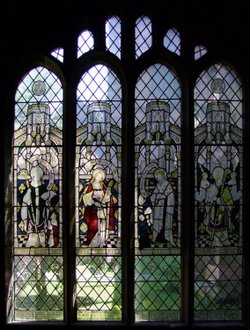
x=158, y=195
x=37, y=198
x=123, y=109
x=98, y=196
x=219, y=185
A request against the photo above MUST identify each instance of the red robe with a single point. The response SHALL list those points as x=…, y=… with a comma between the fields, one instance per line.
x=91, y=219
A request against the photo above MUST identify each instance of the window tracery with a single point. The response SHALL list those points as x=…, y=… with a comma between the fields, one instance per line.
x=38, y=281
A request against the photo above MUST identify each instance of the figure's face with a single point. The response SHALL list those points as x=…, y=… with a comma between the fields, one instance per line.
x=99, y=177
x=36, y=176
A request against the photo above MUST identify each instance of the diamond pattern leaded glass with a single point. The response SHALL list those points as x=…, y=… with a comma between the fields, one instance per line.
x=113, y=35
x=58, y=53
x=99, y=84
x=98, y=194
x=157, y=288
x=157, y=194
x=218, y=287
x=143, y=35
x=218, y=196
x=172, y=41
x=199, y=51
x=37, y=197
x=98, y=288
x=85, y=43
x=39, y=86
x=38, y=288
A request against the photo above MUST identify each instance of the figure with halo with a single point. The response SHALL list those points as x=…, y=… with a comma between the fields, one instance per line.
x=98, y=208
x=36, y=210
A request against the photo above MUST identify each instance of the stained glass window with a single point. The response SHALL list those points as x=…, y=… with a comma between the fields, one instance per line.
x=37, y=198
x=113, y=35
x=218, y=196
x=126, y=121
x=143, y=35
x=172, y=41
x=157, y=195
x=98, y=195
x=85, y=43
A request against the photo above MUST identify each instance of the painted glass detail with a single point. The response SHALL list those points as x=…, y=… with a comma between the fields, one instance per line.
x=98, y=187
x=218, y=196
x=37, y=198
x=157, y=193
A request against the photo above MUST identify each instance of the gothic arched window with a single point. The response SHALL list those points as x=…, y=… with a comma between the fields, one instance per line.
x=218, y=151
x=157, y=195
x=126, y=181
x=37, y=291
x=98, y=195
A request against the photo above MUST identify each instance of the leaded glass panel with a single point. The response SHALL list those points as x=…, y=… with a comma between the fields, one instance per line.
x=58, y=53
x=113, y=35
x=199, y=51
x=37, y=197
x=218, y=196
x=157, y=288
x=85, y=42
x=98, y=192
x=99, y=288
x=143, y=35
x=38, y=283
x=172, y=41
x=157, y=195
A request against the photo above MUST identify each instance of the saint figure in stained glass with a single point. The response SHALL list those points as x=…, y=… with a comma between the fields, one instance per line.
x=218, y=174
x=38, y=216
x=98, y=203
x=38, y=160
x=218, y=210
x=157, y=207
x=218, y=196
x=163, y=205
x=217, y=215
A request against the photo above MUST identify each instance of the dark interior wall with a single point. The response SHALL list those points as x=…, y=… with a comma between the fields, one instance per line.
x=30, y=27
x=36, y=25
